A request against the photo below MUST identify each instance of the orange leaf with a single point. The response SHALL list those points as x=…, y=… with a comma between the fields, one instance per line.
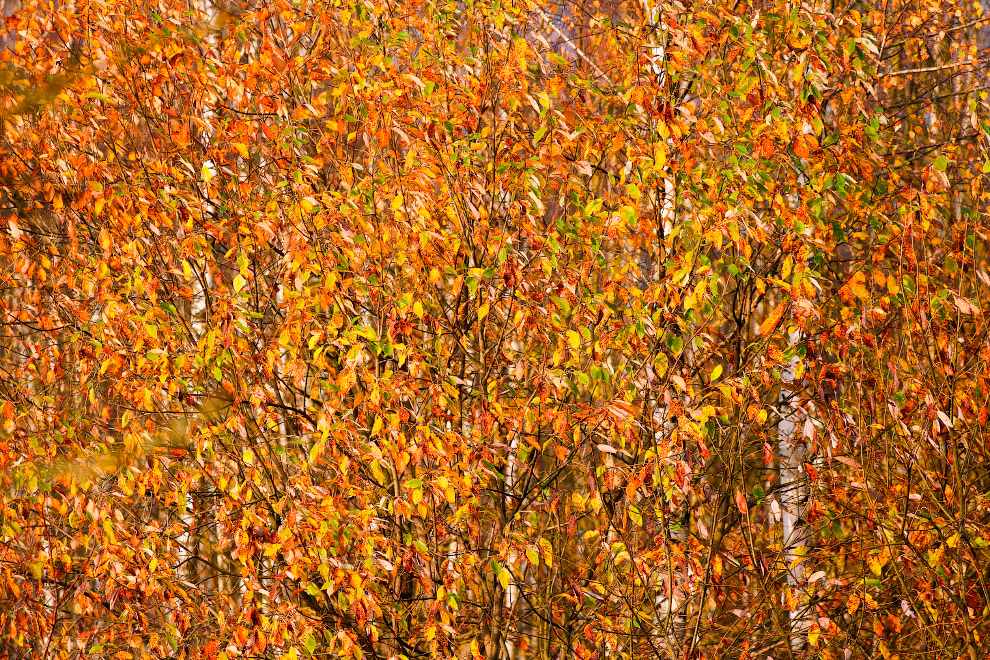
x=741, y=503
x=770, y=323
x=802, y=146
x=766, y=147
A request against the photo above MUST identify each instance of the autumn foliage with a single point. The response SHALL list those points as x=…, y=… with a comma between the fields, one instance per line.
x=494, y=330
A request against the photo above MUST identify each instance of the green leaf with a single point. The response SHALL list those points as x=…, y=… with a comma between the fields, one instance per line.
x=97, y=95
x=628, y=214
x=315, y=450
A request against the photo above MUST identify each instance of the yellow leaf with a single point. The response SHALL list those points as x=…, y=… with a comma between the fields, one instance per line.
x=857, y=284
x=814, y=634
x=874, y=563
x=953, y=540
x=770, y=323
x=503, y=578
x=238, y=283
x=396, y=202
x=716, y=372
x=798, y=77
x=206, y=173
x=573, y=339
x=482, y=312
x=241, y=149
x=546, y=549
x=785, y=270
x=935, y=556
x=418, y=309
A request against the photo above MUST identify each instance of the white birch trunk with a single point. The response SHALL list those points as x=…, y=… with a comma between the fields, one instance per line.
x=791, y=451
x=674, y=623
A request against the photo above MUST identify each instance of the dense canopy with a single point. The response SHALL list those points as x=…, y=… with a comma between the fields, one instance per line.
x=494, y=330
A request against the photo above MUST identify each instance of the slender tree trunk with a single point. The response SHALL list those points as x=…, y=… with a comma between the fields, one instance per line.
x=791, y=452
